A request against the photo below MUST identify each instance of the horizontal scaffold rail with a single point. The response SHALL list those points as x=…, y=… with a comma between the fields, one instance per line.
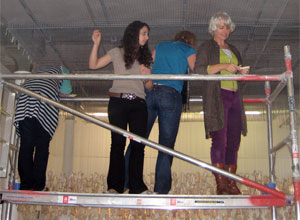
x=194, y=100
x=141, y=201
x=191, y=77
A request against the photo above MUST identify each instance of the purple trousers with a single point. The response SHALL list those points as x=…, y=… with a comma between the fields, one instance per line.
x=226, y=142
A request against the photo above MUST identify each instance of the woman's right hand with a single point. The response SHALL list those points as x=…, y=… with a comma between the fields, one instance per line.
x=230, y=67
x=94, y=61
x=96, y=37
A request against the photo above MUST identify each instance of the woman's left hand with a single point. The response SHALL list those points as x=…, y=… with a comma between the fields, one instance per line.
x=144, y=70
x=244, y=70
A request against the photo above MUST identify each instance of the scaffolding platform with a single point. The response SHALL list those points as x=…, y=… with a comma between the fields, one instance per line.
x=273, y=199
x=143, y=201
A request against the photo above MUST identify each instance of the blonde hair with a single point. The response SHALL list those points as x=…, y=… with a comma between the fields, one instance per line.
x=215, y=21
x=186, y=37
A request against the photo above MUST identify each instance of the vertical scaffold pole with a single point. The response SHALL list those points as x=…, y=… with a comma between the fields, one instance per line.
x=293, y=127
x=270, y=142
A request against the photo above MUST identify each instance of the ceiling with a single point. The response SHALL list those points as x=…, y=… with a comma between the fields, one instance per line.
x=59, y=32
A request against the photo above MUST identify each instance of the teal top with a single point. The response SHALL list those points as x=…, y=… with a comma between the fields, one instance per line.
x=172, y=58
x=66, y=87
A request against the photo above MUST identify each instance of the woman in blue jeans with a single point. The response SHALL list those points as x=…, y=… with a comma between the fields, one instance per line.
x=164, y=100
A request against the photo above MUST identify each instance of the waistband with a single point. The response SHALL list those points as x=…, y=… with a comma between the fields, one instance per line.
x=129, y=96
x=229, y=91
x=158, y=85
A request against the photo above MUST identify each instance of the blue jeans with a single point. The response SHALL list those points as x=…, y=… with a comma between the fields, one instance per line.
x=165, y=103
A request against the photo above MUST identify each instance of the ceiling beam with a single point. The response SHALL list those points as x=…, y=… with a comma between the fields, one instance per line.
x=45, y=35
x=274, y=25
x=104, y=11
x=91, y=14
x=184, y=12
x=251, y=34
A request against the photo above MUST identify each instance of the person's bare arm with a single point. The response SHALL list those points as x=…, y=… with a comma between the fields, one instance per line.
x=148, y=85
x=192, y=61
x=230, y=67
x=146, y=71
x=153, y=55
x=94, y=61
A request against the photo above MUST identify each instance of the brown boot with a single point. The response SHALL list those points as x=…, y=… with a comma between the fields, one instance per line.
x=221, y=181
x=232, y=187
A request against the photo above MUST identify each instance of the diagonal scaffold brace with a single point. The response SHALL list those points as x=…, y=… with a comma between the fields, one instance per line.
x=250, y=183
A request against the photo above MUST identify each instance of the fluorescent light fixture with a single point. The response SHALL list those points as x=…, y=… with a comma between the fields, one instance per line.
x=99, y=114
x=253, y=113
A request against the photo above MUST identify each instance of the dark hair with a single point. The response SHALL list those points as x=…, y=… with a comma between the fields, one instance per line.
x=132, y=49
x=186, y=37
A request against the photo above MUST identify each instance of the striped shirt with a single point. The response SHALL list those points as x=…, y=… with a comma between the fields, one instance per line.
x=28, y=106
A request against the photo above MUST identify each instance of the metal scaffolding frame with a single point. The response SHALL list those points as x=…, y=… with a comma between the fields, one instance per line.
x=273, y=199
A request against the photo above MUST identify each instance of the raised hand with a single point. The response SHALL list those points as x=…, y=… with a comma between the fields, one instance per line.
x=96, y=37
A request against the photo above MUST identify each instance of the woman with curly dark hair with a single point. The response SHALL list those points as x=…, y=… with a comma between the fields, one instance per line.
x=127, y=103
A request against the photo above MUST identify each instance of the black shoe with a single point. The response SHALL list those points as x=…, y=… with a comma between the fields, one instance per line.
x=41, y=188
x=26, y=188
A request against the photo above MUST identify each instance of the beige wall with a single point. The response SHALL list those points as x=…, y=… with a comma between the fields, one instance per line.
x=92, y=146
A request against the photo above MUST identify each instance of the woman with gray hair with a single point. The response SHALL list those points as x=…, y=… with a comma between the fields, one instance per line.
x=224, y=115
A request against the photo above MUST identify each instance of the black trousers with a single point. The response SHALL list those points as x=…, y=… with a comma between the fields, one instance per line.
x=123, y=112
x=33, y=154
